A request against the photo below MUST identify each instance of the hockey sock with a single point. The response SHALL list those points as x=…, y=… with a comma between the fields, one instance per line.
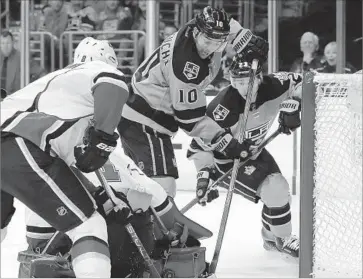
x=277, y=220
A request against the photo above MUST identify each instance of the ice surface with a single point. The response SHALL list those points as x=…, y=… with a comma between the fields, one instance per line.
x=242, y=253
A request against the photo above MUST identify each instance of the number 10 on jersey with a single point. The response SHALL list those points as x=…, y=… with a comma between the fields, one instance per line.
x=188, y=97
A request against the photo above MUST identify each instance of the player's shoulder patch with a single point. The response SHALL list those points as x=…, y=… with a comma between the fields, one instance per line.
x=220, y=113
x=191, y=70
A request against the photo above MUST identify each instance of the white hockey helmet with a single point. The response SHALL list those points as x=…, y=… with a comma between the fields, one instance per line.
x=90, y=49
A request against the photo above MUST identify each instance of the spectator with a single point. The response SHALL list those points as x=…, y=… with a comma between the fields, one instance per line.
x=169, y=30
x=9, y=63
x=309, y=45
x=114, y=17
x=55, y=22
x=139, y=23
x=330, y=63
x=82, y=17
x=55, y=18
x=36, y=71
x=10, y=66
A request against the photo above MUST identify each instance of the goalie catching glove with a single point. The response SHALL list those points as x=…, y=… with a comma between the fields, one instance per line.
x=229, y=146
x=204, y=177
x=94, y=155
x=289, y=118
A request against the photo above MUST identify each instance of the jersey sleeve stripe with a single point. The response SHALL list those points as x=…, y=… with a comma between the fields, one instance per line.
x=189, y=114
x=189, y=120
x=187, y=127
x=36, y=229
x=113, y=78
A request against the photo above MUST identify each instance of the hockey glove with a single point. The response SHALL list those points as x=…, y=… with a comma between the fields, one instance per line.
x=289, y=117
x=230, y=147
x=204, y=176
x=94, y=155
x=257, y=48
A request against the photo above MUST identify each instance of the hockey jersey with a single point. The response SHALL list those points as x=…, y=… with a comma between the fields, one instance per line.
x=168, y=86
x=54, y=111
x=227, y=106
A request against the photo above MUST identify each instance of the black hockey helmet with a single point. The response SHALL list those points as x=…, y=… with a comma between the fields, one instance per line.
x=214, y=23
x=240, y=67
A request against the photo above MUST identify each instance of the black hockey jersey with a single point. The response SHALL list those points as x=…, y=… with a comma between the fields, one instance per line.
x=226, y=107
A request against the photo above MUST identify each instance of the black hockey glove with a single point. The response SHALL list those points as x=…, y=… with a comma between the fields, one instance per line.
x=289, y=117
x=257, y=48
x=99, y=146
x=121, y=213
x=230, y=147
x=204, y=176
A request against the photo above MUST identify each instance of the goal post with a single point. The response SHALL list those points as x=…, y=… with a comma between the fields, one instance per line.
x=331, y=176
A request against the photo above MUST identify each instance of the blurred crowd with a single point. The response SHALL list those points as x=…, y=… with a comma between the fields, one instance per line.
x=58, y=17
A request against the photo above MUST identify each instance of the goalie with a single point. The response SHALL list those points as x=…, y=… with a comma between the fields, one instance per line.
x=51, y=249
x=260, y=178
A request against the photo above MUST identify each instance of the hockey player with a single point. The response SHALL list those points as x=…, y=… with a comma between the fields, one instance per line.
x=168, y=92
x=261, y=178
x=66, y=118
x=132, y=187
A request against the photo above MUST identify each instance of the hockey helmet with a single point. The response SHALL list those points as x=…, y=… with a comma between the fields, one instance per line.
x=214, y=23
x=240, y=67
x=90, y=49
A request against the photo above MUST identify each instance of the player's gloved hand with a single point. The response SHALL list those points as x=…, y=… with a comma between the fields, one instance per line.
x=257, y=48
x=289, y=117
x=99, y=146
x=119, y=213
x=204, y=176
x=229, y=146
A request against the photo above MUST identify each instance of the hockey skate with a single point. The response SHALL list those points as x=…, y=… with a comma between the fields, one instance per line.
x=289, y=246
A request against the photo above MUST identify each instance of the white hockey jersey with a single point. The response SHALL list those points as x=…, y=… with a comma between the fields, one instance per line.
x=54, y=111
x=122, y=175
x=168, y=86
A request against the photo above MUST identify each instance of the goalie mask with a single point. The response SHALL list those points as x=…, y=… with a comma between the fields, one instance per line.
x=211, y=31
x=239, y=72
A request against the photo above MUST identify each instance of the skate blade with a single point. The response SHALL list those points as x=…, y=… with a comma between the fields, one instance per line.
x=284, y=256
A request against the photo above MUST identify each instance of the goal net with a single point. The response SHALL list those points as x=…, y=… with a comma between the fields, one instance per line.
x=335, y=189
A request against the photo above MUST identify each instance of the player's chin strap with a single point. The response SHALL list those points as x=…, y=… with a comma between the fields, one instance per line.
x=219, y=180
x=129, y=228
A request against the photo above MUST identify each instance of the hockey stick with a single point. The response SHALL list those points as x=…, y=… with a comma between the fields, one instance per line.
x=241, y=128
x=153, y=271
x=219, y=180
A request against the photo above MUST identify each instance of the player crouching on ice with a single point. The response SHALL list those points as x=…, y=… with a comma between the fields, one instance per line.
x=66, y=117
x=177, y=254
x=260, y=178
x=67, y=237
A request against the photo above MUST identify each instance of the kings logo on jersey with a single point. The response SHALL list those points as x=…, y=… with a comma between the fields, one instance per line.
x=220, y=113
x=191, y=70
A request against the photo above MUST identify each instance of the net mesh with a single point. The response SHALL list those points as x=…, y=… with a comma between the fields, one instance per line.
x=337, y=245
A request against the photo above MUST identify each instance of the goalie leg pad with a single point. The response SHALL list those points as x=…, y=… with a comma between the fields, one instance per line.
x=170, y=216
x=183, y=262
x=276, y=214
